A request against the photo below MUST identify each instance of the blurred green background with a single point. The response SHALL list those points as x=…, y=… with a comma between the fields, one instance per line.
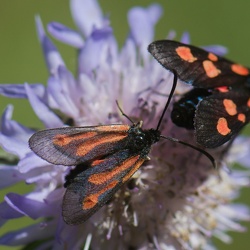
x=209, y=22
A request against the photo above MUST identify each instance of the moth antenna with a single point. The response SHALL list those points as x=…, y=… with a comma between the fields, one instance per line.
x=169, y=99
x=123, y=112
x=209, y=156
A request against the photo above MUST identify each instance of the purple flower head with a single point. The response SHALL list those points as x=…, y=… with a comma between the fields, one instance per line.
x=174, y=201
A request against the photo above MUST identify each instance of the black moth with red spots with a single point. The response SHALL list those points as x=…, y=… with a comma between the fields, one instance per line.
x=222, y=108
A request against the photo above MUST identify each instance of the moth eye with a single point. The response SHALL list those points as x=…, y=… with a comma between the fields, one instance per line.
x=140, y=140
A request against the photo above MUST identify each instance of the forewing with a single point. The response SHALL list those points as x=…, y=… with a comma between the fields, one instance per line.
x=221, y=116
x=89, y=190
x=74, y=145
x=196, y=66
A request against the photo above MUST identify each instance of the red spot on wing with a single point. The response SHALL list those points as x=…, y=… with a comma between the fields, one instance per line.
x=212, y=57
x=86, y=147
x=63, y=140
x=101, y=178
x=230, y=106
x=239, y=69
x=210, y=69
x=133, y=170
x=248, y=103
x=223, y=89
x=97, y=162
x=91, y=200
x=113, y=128
x=222, y=126
x=241, y=117
x=185, y=54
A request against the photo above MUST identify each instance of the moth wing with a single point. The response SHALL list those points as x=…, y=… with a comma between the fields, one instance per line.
x=221, y=116
x=89, y=190
x=74, y=145
x=196, y=66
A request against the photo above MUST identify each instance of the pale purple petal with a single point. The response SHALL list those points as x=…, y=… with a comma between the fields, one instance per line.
x=29, y=207
x=216, y=49
x=58, y=91
x=44, y=174
x=13, y=145
x=227, y=219
x=12, y=128
x=96, y=50
x=171, y=35
x=31, y=161
x=154, y=13
x=128, y=54
x=87, y=15
x=239, y=211
x=69, y=235
x=39, y=231
x=14, y=136
x=9, y=175
x=88, y=88
x=240, y=153
x=142, y=22
x=18, y=90
x=70, y=88
x=7, y=212
x=52, y=56
x=65, y=34
x=43, y=112
x=40, y=170
x=185, y=38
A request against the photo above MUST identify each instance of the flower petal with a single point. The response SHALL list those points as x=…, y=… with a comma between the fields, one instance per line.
x=185, y=38
x=13, y=146
x=142, y=22
x=9, y=176
x=18, y=90
x=87, y=15
x=31, y=161
x=69, y=86
x=240, y=153
x=99, y=48
x=29, y=207
x=39, y=231
x=14, y=136
x=7, y=212
x=65, y=34
x=52, y=56
x=43, y=112
x=216, y=49
x=128, y=55
x=12, y=128
x=58, y=88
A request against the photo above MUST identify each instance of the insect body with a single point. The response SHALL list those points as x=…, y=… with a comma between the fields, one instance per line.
x=183, y=111
x=223, y=108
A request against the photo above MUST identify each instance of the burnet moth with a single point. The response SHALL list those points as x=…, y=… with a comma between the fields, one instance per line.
x=220, y=106
x=105, y=157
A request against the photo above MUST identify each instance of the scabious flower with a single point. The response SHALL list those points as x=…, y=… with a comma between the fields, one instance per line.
x=175, y=201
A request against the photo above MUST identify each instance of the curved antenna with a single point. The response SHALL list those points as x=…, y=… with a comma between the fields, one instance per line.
x=210, y=157
x=123, y=112
x=169, y=99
